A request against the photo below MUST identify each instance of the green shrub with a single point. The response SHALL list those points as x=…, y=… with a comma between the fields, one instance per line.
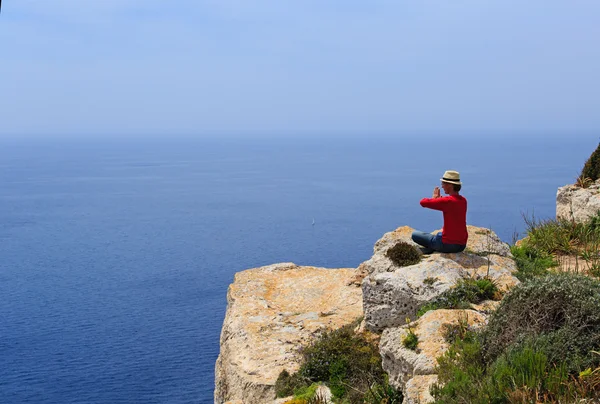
x=547, y=241
x=547, y=237
x=410, y=341
x=591, y=169
x=306, y=392
x=331, y=352
x=430, y=281
x=461, y=372
x=531, y=262
x=560, y=309
x=464, y=376
x=342, y=358
x=543, y=334
x=286, y=384
x=522, y=374
x=347, y=362
x=383, y=393
x=526, y=366
x=593, y=224
x=403, y=254
x=465, y=292
x=552, y=236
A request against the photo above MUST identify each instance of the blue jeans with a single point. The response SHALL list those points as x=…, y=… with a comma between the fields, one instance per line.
x=433, y=243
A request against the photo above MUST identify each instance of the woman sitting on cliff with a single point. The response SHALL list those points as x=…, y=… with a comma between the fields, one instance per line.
x=453, y=237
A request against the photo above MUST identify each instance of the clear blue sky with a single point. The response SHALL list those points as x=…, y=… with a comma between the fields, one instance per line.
x=206, y=67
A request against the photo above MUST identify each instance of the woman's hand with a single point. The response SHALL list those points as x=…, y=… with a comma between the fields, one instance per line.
x=436, y=192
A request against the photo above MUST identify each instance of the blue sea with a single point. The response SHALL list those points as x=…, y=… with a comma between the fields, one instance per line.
x=116, y=255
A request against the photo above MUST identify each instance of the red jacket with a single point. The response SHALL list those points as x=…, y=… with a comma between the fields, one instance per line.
x=454, y=208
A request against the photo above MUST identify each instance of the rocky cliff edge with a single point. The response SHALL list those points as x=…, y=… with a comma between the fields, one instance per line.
x=274, y=310
x=271, y=312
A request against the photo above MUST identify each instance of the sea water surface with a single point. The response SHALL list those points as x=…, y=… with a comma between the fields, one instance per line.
x=115, y=255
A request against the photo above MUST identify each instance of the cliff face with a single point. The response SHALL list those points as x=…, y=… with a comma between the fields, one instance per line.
x=271, y=312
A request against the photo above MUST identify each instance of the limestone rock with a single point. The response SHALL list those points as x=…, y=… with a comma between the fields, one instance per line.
x=403, y=364
x=486, y=307
x=392, y=293
x=484, y=241
x=417, y=390
x=576, y=203
x=271, y=312
x=324, y=393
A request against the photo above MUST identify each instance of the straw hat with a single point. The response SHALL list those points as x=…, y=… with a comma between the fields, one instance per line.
x=451, y=177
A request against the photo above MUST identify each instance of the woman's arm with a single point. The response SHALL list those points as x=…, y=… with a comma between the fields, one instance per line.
x=438, y=203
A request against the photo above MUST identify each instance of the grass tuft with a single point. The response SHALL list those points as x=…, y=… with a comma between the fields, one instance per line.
x=411, y=341
x=465, y=292
x=403, y=254
x=531, y=262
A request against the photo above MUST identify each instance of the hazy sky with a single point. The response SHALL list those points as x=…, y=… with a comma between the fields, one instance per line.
x=201, y=67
